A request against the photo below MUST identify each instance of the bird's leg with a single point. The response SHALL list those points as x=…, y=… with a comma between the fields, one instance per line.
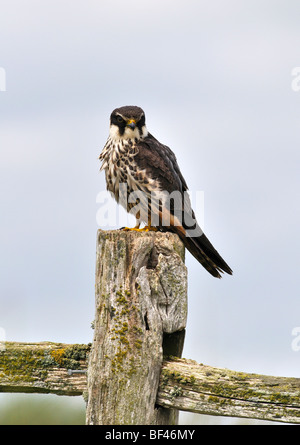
x=147, y=228
x=144, y=229
x=136, y=227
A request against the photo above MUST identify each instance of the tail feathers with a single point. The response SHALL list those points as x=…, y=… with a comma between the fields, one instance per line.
x=199, y=245
x=201, y=248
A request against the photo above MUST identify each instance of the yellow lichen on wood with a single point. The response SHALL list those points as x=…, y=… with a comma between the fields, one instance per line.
x=42, y=367
x=58, y=355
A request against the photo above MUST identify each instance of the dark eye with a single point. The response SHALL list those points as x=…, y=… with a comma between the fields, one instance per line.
x=119, y=119
x=141, y=122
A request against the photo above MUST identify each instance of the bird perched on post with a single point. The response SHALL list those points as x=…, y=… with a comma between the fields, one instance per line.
x=143, y=175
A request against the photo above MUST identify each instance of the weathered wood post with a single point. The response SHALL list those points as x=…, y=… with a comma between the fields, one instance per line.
x=140, y=316
x=141, y=308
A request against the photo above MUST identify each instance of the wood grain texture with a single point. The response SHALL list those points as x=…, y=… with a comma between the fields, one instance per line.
x=44, y=367
x=141, y=300
x=140, y=319
x=184, y=384
x=190, y=386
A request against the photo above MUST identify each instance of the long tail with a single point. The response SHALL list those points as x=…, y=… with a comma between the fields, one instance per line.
x=199, y=246
x=202, y=249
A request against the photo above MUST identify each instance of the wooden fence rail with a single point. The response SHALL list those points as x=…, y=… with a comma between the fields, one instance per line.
x=132, y=372
x=61, y=369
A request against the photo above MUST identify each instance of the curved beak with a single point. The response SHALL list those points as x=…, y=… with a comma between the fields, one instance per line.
x=131, y=124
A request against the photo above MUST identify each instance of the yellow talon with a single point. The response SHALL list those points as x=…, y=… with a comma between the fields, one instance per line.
x=149, y=228
x=127, y=229
x=144, y=229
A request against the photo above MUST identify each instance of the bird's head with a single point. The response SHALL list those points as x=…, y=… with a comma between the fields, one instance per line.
x=128, y=123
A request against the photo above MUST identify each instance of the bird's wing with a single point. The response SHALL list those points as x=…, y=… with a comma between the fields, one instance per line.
x=160, y=164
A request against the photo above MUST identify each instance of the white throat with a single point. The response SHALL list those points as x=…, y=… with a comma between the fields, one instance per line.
x=128, y=133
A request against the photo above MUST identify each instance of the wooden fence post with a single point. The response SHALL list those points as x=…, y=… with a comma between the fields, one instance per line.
x=141, y=309
x=140, y=316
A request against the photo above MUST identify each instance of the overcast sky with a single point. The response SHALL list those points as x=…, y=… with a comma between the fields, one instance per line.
x=215, y=81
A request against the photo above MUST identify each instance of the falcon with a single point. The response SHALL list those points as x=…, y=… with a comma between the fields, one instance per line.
x=143, y=176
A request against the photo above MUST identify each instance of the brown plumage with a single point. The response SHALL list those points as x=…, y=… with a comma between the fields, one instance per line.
x=148, y=168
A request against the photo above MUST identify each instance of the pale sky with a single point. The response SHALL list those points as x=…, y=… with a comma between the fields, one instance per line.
x=215, y=81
